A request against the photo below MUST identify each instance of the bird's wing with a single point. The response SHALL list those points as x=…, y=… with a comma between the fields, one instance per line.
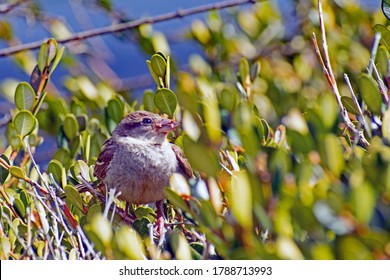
x=184, y=165
x=103, y=161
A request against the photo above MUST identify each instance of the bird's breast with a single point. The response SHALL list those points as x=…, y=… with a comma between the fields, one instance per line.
x=141, y=170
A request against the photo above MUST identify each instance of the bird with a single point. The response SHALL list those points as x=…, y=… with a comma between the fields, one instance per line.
x=137, y=160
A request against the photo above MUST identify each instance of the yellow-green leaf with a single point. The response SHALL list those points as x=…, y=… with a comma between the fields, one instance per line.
x=240, y=198
x=166, y=101
x=158, y=65
x=17, y=172
x=149, y=101
x=370, y=93
x=71, y=127
x=24, y=96
x=333, y=154
x=129, y=243
x=24, y=122
x=74, y=197
x=386, y=125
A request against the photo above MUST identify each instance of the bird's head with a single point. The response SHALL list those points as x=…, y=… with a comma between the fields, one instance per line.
x=145, y=126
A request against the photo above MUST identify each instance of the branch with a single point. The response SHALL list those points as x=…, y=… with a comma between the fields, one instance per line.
x=5, y=8
x=129, y=25
x=327, y=68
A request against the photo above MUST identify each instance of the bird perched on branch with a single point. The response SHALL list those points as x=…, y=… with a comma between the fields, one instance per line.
x=138, y=160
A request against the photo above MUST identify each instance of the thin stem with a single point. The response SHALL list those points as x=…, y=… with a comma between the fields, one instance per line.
x=5, y=8
x=355, y=101
x=129, y=25
x=374, y=50
x=327, y=68
x=382, y=87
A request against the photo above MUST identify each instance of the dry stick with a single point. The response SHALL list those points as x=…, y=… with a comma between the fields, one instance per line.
x=374, y=50
x=5, y=8
x=381, y=84
x=129, y=25
x=327, y=68
x=355, y=101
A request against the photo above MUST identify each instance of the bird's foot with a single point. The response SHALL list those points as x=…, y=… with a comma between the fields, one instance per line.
x=160, y=219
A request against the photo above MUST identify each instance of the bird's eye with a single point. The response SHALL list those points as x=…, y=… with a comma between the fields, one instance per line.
x=146, y=121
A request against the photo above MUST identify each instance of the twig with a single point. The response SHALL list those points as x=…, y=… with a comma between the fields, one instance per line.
x=5, y=8
x=381, y=84
x=355, y=101
x=129, y=25
x=374, y=50
x=327, y=68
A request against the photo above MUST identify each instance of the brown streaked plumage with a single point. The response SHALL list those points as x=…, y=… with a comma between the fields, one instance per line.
x=138, y=160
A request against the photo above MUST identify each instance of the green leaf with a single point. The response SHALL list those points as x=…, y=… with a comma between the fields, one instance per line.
x=179, y=245
x=155, y=77
x=141, y=226
x=129, y=243
x=115, y=109
x=168, y=73
x=288, y=249
x=208, y=216
x=243, y=71
x=149, y=101
x=385, y=32
x=12, y=137
x=55, y=168
x=166, y=101
x=77, y=107
x=24, y=122
x=382, y=59
x=200, y=31
x=333, y=154
x=386, y=125
x=42, y=56
x=143, y=211
x=102, y=228
x=3, y=171
x=190, y=126
x=328, y=110
x=197, y=250
x=5, y=248
x=25, y=198
x=93, y=210
x=176, y=200
x=74, y=197
x=228, y=98
x=19, y=206
x=350, y=248
x=81, y=168
x=57, y=59
x=24, y=96
x=17, y=172
x=159, y=65
x=63, y=156
x=370, y=93
x=211, y=110
x=201, y=157
x=349, y=105
x=240, y=198
x=363, y=200
x=71, y=127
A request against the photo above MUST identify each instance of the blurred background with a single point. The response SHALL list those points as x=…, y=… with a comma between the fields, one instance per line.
x=275, y=33
x=120, y=54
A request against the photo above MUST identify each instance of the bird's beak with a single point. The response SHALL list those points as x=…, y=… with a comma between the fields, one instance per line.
x=166, y=125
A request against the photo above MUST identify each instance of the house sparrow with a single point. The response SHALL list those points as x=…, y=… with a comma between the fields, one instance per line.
x=138, y=160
